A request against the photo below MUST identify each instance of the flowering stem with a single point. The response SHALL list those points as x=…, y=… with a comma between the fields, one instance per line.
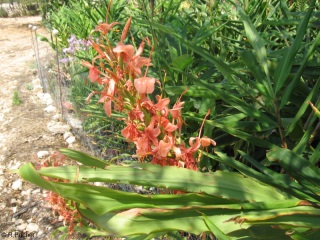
x=59, y=76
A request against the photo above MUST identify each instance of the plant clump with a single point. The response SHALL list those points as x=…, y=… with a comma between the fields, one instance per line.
x=153, y=127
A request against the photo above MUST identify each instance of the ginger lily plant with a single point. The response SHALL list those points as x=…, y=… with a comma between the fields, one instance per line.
x=153, y=127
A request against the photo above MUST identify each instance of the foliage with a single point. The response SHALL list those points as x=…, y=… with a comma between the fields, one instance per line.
x=227, y=204
x=16, y=100
x=255, y=67
x=3, y=12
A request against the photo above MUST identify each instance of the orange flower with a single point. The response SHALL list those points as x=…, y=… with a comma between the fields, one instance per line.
x=133, y=60
x=144, y=85
x=94, y=73
x=206, y=142
x=162, y=149
x=152, y=132
x=130, y=132
x=161, y=106
x=104, y=28
x=143, y=147
x=169, y=127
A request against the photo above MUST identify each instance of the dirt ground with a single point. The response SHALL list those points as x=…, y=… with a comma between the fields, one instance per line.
x=23, y=131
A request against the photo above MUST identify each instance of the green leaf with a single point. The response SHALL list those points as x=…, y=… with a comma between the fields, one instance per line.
x=183, y=61
x=214, y=229
x=283, y=183
x=84, y=158
x=258, y=45
x=220, y=184
x=303, y=108
x=285, y=63
x=250, y=61
x=298, y=167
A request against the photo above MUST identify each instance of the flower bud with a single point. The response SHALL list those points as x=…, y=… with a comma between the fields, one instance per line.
x=55, y=32
x=30, y=26
x=34, y=28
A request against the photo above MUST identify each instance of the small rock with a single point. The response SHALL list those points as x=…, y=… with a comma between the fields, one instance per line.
x=37, y=89
x=43, y=154
x=14, y=209
x=71, y=140
x=17, y=185
x=56, y=117
x=58, y=127
x=32, y=227
x=2, y=206
x=46, y=97
x=36, y=191
x=40, y=95
x=13, y=201
x=66, y=135
x=36, y=81
x=21, y=227
x=27, y=192
x=50, y=109
x=15, y=165
x=49, y=101
x=19, y=221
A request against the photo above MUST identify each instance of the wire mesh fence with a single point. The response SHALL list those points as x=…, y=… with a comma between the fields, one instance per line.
x=97, y=132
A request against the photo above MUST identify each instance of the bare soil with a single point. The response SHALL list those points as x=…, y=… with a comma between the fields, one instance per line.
x=23, y=131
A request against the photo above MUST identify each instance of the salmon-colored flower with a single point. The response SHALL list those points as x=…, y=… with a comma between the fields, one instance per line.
x=130, y=132
x=152, y=132
x=144, y=85
x=143, y=147
x=104, y=28
x=160, y=107
x=169, y=127
x=133, y=60
x=94, y=73
x=162, y=149
x=206, y=142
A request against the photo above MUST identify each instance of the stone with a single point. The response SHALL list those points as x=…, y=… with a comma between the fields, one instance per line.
x=14, y=165
x=14, y=209
x=27, y=192
x=37, y=89
x=19, y=221
x=49, y=101
x=70, y=140
x=32, y=227
x=43, y=154
x=66, y=135
x=50, y=109
x=21, y=227
x=17, y=185
x=38, y=190
x=58, y=127
x=40, y=95
x=56, y=117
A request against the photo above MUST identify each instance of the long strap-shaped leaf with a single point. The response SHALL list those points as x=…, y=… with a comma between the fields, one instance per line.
x=298, y=167
x=259, y=46
x=286, y=62
x=221, y=184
